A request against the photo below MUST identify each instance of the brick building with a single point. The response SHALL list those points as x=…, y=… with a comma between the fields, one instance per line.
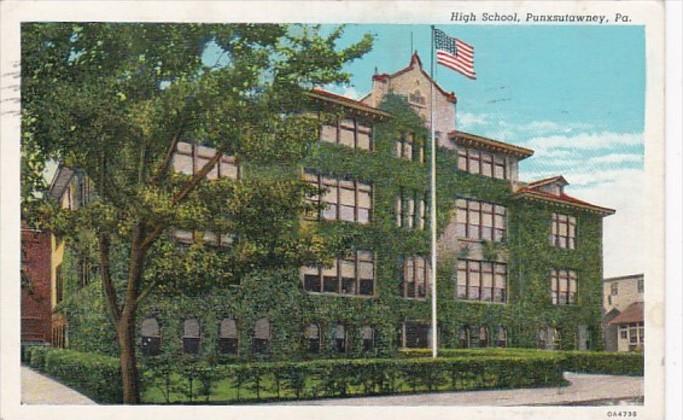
x=519, y=263
x=624, y=317
x=36, y=307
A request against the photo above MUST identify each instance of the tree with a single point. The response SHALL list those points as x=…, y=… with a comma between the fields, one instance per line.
x=112, y=101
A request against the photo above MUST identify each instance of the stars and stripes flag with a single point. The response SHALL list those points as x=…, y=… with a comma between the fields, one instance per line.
x=454, y=54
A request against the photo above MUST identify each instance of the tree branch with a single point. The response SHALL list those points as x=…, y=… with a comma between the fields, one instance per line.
x=183, y=193
x=109, y=291
x=163, y=167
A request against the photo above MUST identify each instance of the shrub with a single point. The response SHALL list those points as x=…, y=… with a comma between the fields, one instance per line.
x=605, y=363
x=94, y=375
x=37, y=356
x=348, y=377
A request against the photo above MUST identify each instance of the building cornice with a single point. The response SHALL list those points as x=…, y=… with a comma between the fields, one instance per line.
x=473, y=140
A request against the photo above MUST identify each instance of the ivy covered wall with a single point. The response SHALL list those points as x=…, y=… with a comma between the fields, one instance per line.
x=279, y=296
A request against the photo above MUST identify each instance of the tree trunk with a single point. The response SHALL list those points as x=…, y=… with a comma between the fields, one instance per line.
x=129, y=370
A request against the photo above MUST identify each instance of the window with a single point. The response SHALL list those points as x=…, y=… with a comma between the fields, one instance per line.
x=481, y=280
x=501, y=337
x=191, y=336
x=415, y=335
x=641, y=285
x=623, y=332
x=340, y=339
x=614, y=288
x=417, y=98
x=563, y=286
x=478, y=220
x=563, y=231
x=411, y=210
x=59, y=284
x=367, y=334
x=345, y=200
x=190, y=158
x=151, y=337
x=409, y=149
x=227, y=337
x=312, y=337
x=349, y=132
x=350, y=275
x=209, y=238
x=548, y=338
x=481, y=163
x=415, y=274
x=260, y=343
x=87, y=271
x=633, y=333
x=473, y=336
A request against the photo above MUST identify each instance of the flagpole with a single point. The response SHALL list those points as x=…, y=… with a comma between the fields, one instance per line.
x=432, y=207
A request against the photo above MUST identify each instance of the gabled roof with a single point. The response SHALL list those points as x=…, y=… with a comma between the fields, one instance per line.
x=416, y=62
x=357, y=106
x=632, y=314
x=468, y=139
x=60, y=181
x=561, y=199
x=552, y=180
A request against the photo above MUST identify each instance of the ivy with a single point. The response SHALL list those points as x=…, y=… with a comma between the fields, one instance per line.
x=276, y=293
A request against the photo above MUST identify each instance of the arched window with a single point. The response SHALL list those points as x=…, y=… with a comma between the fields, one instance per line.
x=191, y=336
x=483, y=337
x=312, y=336
x=501, y=337
x=367, y=334
x=463, y=337
x=227, y=336
x=151, y=337
x=261, y=340
x=542, y=338
x=340, y=341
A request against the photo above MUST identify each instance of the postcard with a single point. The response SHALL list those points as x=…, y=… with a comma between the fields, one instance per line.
x=408, y=209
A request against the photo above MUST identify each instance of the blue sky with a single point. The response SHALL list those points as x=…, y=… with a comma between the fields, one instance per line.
x=574, y=94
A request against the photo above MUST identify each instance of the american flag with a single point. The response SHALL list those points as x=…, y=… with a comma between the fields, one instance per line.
x=454, y=54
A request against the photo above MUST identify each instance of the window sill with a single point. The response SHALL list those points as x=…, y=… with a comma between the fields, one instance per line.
x=418, y=299
x=481, y=302
x=342, y=295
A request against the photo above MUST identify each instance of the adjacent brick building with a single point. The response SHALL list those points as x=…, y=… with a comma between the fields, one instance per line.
x=624, y=316
x=35, y=286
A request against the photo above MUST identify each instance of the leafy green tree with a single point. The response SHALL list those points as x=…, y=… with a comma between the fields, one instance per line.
x=112, y=101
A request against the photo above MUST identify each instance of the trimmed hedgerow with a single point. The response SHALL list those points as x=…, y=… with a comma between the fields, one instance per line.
x=606, y=363
x=96, y=376
x=37, y=356
x=334, y=378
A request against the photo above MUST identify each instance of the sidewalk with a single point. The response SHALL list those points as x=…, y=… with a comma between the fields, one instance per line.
x=584, y=388
x=37, y=388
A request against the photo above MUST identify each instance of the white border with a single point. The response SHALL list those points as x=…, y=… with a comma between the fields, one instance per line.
x=649, y=14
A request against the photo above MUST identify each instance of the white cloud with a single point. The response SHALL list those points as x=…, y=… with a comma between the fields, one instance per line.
x=618, y=158
x=585, y=141
x=467, y=120
x=348, y=91
x=623, y=232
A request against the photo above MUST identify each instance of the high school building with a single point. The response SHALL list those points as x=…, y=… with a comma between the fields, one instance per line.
x=520, y=263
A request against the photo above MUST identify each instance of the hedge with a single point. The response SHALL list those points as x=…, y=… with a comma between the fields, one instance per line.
x=605, y=363
x=352, y=377
x=575, y=361
x=94, y=375
x=36, y=358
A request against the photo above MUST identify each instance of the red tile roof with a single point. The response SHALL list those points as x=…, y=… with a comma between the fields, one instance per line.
x=468, y=139
x=632, y=314
x=337, y=99
x=415, y=60
x=563, y=198
x=546, y=181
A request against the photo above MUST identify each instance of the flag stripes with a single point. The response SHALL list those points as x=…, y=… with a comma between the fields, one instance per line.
x=455, y=54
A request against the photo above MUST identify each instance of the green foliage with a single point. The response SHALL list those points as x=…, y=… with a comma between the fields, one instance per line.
x=94, y=375
x=37, y=356
x=354, y=377
x=605, y=363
